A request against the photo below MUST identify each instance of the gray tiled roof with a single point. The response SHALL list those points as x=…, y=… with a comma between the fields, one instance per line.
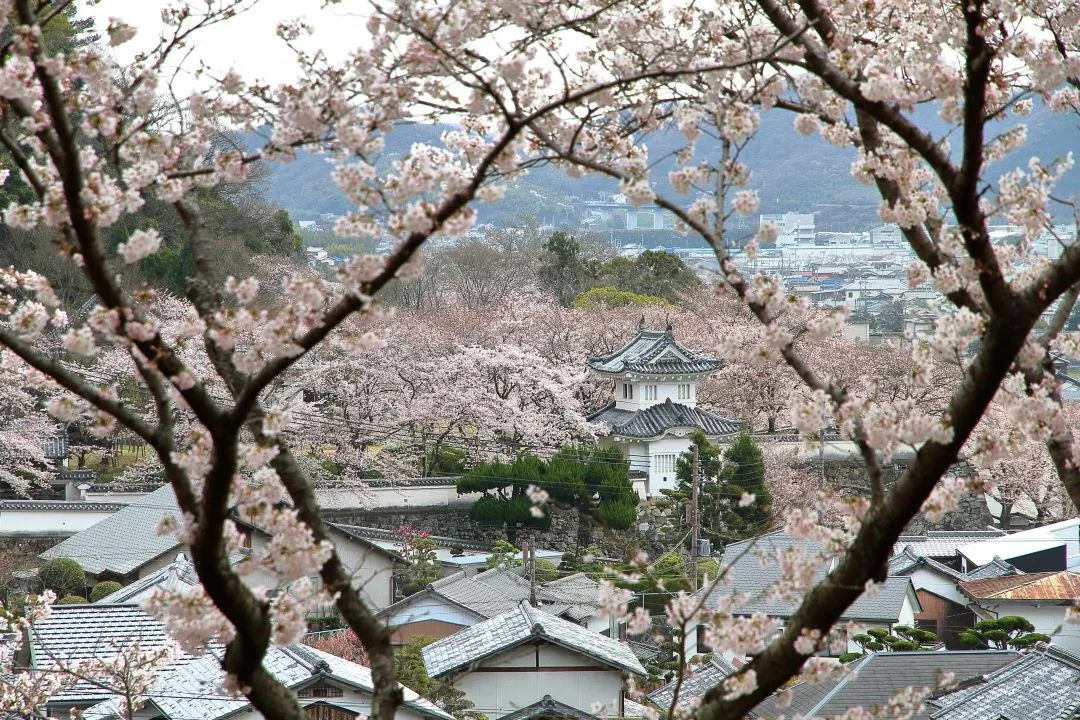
x=177, y=575
x=995, y=568
x=942, y=543
x=189, y=687
x=656, y=353
x=496, y=591
x=876, y=678
x=125, y=540
x=520, y=625
x=658, y=419
x=548, y=707
x=73, y=633
x=694, y=686
x=1043, y=684
x=907, y=561
x=747, y=575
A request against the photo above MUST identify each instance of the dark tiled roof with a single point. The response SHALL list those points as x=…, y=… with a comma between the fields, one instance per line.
x=995, y=568
x=1059, y=585
x=63, y=505
x=753, y=569
x=653, y=352
x=658, y=419
x=694, y=686
x=76, y=633
x=878, y=677
x=548, y=707
x=1043, y=684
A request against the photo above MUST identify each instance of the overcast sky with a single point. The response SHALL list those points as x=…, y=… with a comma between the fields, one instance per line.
x=246, y=42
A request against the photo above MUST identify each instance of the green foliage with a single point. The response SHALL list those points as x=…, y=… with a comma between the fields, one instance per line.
x=63, y=576
x=653, y=273
x=71, y=600
x=16, y=604
x=319, y=623
x=901, y=639
x=102, y=589
x=418, y=549
x=725, y=477
x=444, y=460
x=1002, y=633
x=595, y=481
x=504, y=555
x=707, y=569
x=457, y=549
x=409, y=665
x=566, y=268
x=546, y=571
x=849, y=657
x=614, y=297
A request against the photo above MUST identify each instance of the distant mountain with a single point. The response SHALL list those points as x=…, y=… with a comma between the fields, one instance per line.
x=790, y=173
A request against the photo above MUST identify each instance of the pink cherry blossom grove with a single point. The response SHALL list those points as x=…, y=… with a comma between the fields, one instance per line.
x=578, y=84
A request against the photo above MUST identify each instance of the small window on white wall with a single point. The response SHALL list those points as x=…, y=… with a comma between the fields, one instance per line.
x=684, y=392
x=627, y=391
x=649, y=392
x=664, y=464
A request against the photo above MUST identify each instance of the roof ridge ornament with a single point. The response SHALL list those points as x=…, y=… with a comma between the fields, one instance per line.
x=670, y=329
x=641, y=323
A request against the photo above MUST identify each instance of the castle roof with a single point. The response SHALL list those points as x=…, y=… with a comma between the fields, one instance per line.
x=654, y=352
x=656, y=420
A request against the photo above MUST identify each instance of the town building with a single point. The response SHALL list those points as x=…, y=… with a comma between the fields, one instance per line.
x=753, y=570
x=126, y=546
x=945, y=610
x=188, y=687
x=522, y=661
x=879, y=677
x=453, y=603
x=655, y=406
x=1043, y=598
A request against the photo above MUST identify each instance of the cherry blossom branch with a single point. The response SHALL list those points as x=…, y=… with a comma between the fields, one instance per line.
x=75, y=384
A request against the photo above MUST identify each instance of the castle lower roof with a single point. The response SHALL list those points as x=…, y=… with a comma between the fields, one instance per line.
x=656, y=420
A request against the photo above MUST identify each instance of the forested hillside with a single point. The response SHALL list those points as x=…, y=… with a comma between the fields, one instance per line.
x=790, y=173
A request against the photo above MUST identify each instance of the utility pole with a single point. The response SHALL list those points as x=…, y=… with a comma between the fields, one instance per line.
x=695, y=518
x=530, y=551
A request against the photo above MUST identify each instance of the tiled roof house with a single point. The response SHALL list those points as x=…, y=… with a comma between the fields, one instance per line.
x=457, y=601
x=189, y=687
x=753, y=571
x=511, y=662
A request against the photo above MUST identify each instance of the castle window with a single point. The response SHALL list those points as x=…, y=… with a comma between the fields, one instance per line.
x=627, y=391
x=650, y=392
x=684, y=391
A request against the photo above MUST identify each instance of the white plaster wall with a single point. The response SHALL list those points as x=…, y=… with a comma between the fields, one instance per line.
x=14, y=523
x=669, y=445
x=938, y=584
x=1047, y=618
x=498, y=693
x=395, y=496
x=371, y=570
x=428, y=607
